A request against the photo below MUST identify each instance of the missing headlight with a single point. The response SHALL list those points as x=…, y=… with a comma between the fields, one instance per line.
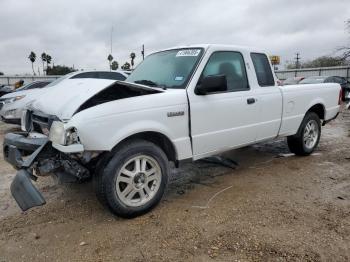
x=71, y=136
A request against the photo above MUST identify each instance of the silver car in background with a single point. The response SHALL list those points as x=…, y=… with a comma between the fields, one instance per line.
x=13, y=104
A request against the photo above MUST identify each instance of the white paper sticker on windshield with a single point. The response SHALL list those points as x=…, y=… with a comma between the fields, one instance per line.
x=179, y=78
x=188, y=52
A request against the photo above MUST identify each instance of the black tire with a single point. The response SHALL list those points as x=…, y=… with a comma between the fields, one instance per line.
x=345, y=94
x=296, y=142
x=105, y=182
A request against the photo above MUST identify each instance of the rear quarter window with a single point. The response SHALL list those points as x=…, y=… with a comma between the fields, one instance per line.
x=85, y=75
x=111, y=76
x=262, y=69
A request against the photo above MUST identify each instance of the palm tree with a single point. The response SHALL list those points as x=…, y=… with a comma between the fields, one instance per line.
x=126, y=66
x=114, y=65
x=32, y=57
x=48, y=60
x=110, y=58
x=43, y=59
x=132, y=56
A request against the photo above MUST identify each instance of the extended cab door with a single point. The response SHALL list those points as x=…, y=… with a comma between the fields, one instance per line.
x=269, y=97
x=223, y=120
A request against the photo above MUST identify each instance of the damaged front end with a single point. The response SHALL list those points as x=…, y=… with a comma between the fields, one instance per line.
x=50, y=145
x=33, y=157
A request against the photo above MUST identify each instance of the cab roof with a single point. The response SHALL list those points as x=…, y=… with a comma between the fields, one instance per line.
x=218, y=46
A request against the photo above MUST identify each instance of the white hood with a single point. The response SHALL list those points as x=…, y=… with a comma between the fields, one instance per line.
x=65, y=98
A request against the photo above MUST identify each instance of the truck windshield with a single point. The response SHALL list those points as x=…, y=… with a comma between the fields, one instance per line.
x=167, y=69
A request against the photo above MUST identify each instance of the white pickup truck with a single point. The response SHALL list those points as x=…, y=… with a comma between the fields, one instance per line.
x=181, y=103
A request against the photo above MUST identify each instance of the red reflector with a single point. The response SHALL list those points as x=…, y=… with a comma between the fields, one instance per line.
x=340, y=96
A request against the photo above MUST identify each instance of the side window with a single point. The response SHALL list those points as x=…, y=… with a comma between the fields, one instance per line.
x=262, y=69
x=111, y=76
x=41, y=84
x=85, y=75
x=230, y=64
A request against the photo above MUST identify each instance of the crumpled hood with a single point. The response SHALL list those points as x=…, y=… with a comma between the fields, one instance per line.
x=64, y=99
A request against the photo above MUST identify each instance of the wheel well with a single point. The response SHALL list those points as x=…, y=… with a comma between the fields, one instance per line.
x=319, y=110
x=159, y=139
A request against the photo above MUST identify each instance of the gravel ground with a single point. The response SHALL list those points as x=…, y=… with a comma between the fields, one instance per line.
x=270, y=207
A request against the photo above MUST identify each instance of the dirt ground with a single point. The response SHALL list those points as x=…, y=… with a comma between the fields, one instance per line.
x=271, y=207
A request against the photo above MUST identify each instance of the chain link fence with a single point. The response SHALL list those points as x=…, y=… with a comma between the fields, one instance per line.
x=343, y=71
x=11, y=80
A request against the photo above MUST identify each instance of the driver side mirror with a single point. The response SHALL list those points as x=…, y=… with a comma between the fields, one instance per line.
x=211, y=84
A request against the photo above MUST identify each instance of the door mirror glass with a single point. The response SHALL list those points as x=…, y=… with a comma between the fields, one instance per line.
x=212, y=84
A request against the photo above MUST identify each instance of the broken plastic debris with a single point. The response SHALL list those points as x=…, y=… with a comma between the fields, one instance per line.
x=286, y=155
x=215, y=195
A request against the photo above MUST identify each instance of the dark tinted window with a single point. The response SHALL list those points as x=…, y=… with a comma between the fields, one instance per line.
x=39, y=85
x=85, y=75
x=339, y=80
x=263, y=69
x=330, y=80
x=34, y=85
x=230, y=64
x=111, y=75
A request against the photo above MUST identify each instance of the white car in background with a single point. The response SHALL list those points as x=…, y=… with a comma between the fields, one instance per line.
x=12, y=104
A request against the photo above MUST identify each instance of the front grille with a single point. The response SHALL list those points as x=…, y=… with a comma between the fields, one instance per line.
x=42, y=122
x=40, y=119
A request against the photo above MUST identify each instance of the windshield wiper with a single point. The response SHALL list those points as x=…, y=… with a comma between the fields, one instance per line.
x=146, y=82
x=149, y=83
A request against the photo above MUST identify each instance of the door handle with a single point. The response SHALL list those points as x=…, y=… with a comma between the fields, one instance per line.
x=250, y=101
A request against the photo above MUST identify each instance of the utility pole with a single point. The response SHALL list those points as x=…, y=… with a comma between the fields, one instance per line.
x=297, y=59
x=143, y=52
x=112, y=40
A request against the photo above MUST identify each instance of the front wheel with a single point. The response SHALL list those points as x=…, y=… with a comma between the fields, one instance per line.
x=134, y=180
x=306, y=140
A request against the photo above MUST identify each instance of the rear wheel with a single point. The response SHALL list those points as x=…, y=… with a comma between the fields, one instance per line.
x=134, y=180
x=306, y=140
x=345, y=94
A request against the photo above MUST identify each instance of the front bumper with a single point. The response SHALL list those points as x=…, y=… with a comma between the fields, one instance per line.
x=26, y=154
x=24, y=192
x=22, y=189
x=20, y=144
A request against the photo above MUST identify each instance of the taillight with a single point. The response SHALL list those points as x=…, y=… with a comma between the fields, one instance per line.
x=340, y=96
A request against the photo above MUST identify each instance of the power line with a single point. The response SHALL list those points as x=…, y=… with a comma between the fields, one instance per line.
x=112, y=40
